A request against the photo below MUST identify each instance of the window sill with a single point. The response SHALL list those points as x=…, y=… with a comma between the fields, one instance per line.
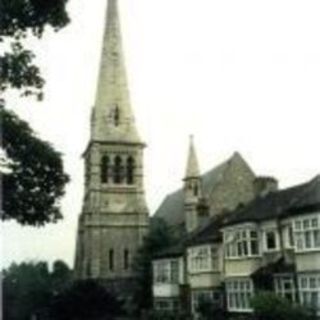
x=193, y=272
x=312, y=250
x=242, y=258
x=240, y=310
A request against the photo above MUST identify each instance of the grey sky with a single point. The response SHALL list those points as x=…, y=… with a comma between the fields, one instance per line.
x=239, y=75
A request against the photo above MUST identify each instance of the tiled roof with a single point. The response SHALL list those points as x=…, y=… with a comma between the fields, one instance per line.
x=297, y=199
x=209, y=233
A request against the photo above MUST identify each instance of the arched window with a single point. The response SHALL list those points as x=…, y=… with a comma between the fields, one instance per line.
x=116, y=116
x=126, y=259
x=104, y=169
x=195, y=190
x=111, y=259
x=118, y=170
x=130, y=170
x=88, y=269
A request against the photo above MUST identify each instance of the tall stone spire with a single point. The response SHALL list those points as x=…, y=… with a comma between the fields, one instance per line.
x=112, y=118
x=192, y=170
x=114, y=218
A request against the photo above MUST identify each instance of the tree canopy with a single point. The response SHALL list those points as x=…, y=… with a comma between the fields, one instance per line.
x=158, y=238
x=269, y=306
x=35, y=184
x=19, y=19
x=28, y=288
x=35, y=181
x=83, y=300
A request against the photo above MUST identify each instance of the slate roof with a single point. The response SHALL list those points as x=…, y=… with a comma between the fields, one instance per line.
x=209, y=233
x=303, y=198
x=174, y=251
x=172, y=208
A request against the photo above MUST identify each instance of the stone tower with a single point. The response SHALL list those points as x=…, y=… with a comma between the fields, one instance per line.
x=114, y=217
x=192, y=189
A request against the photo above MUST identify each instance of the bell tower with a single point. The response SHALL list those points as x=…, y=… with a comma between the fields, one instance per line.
x=114, y=217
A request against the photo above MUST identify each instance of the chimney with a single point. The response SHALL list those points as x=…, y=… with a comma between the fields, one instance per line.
x=265, y=185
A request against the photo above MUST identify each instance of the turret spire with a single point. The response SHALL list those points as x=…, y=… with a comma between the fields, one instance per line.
x=192, y=165
x=112, y=118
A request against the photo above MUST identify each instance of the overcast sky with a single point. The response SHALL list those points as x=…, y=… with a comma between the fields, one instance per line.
x=239, y=75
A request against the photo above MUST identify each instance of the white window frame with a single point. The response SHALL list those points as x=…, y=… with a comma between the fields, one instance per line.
x=203, y=259
x=276, y=239
x=172, y=304
x=307, y=233
x=309, y=290
x=208, y=294
x=290, y=241
x=166, y=271
x=239, y=292
x=238, y=243
x=281, y=282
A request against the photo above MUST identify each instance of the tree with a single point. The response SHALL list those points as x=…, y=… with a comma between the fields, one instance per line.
x=84, y=300
x=35, y=180
x=35, y=184
x=269, y=306
x=29, y=287
x=158, y=238
x=19, y=19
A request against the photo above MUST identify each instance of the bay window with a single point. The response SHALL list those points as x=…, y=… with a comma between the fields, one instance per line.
x=307, y=233
x=285, y=287
x=239, y=294
x=203, y=258
x=309, y=290
x=166, y=271
x=205, y=296
x=241, y=243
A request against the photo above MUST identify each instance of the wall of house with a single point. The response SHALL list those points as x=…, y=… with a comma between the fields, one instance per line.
x=204, y=280
x=166, y=290
x=242, y=267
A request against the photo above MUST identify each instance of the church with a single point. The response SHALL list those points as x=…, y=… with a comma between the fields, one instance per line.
x=210, y=213
x=114, y=217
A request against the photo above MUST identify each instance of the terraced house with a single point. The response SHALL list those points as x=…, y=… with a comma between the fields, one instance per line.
x=240, y=242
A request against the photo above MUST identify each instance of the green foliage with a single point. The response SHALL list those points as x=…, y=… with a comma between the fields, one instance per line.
x=84, y=300
x=29, y=287
x=36, y=182
x=159, y=237
x=269, y=306
x=207, y=308
x=19, y=19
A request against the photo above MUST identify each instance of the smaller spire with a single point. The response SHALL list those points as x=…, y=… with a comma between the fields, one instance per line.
x=192, y=165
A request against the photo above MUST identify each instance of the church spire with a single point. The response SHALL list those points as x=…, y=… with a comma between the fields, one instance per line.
x=192, y=165
x=112, y=118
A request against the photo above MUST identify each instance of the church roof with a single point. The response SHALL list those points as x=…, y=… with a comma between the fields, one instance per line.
x=303, y=198
x=172, y=208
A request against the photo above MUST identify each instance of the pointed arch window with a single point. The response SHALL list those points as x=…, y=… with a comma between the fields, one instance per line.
x=111, y=260
x=118, y=170
x=126, y=259
x=130, y=170
x=105, y=168
x=195, y=190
